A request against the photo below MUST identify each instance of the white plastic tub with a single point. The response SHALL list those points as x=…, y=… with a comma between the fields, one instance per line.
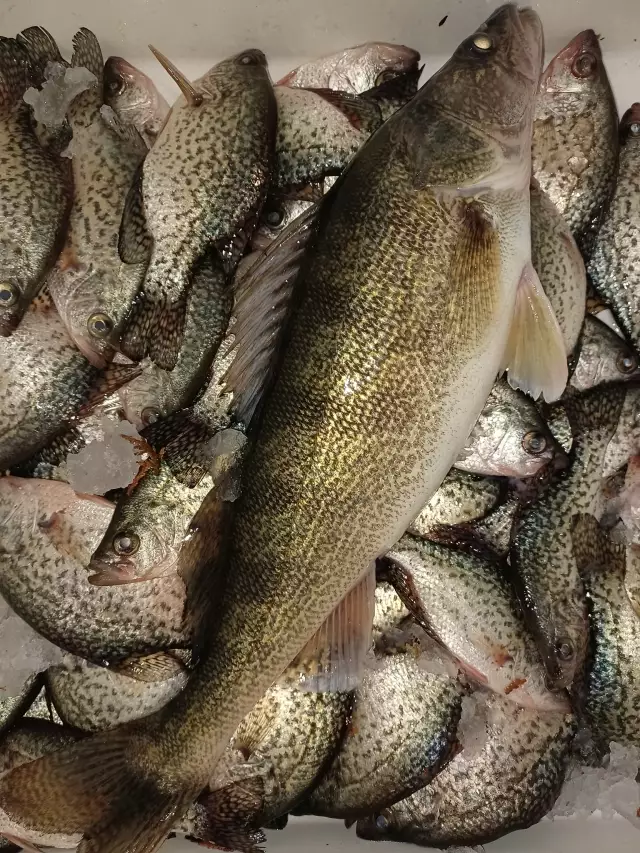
x=197, y=33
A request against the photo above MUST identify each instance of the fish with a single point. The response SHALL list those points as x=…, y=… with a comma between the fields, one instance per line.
x=94, y=698
x=12, y=708
x=612, y=266
x=509, y=439
x=91, y=287
x=196, y=192
x=402, y=732
x=355, y=69
x=48, y=535
x=461, y=497
x=625, y=441
x=575, y=137
x=603, y=357
x=508, y=784
x=276, y=215
x=157, y=393
x=45, y=383
x=558, y=262
x=34, y=196
x=545, y=575
x=389, y=612
x=611, y=689
x=348, y=479
x=457, y=592
x=494, y=530
x=134, y=98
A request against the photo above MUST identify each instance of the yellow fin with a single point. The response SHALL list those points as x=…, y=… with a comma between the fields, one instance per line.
x=535, y=354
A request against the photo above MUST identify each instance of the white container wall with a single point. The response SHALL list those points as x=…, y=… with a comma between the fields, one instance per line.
x=195, y=34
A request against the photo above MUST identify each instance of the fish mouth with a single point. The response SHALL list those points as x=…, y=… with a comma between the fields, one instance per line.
x=107, y=573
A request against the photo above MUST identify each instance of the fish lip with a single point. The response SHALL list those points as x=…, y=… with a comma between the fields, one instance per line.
x=107, y=572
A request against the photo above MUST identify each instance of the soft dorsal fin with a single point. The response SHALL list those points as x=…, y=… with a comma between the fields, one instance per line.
x=41, y=48
x=87, y=53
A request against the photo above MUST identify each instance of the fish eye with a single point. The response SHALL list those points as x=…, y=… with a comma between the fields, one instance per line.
x=274, y=217
x=626, y=362
x=99, y=325
x=8, y=294
x=115, y=86
x=481, y=42
x=149, y=415
x=385, y=76
x=634, y=128
x=382, y=822
x=534, y=443
x=251, y=57
x=126, y=543
x=584, y=65
x=564, y=649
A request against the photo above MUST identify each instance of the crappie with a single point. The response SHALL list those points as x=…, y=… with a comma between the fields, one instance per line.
x=511, y=783
x=461, y=598
x=575, y=136
x=92, y=698
x=611, y=692
x=355, y=69
x=603, y=357
x=406, y=299
x=45, y=381
x=201, y=186
x=277, y=213
x=545, y=574
x=92, y=288
x=494, y=530
x=614, y=261
x=625, y=441
x=402, y=732
x=461, y=497
x=510, y=438
x=389, y=611
x=12, y=708
x=33, y=194
x=134, y=98
x=48, y=534
x=558, y=262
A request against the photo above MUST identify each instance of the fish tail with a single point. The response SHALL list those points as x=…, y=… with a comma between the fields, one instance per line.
x=14, y=72
x=96, y=788
x=155, y=328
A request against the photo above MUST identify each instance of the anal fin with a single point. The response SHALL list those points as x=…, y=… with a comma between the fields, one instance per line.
x=535, y=355
x=332, y=659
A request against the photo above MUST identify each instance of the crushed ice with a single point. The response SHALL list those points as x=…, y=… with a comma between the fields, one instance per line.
x=23, y=651
x=51, y=103
x=109, y=461
x=472, y=729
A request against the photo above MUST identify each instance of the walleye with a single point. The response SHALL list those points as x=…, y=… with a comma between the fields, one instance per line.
x=92, y=288
x=613, y=265
x=575, y=137
x=134, y=98
x=356, y=69
x=33, y=193
x=201, y=186
x=407, y=294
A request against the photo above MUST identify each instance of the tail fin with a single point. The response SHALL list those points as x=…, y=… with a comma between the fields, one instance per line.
x=95, y=787
x=155, y=328
x=14, y=72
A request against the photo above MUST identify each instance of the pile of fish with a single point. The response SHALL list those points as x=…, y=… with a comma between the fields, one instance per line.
x=319, y=439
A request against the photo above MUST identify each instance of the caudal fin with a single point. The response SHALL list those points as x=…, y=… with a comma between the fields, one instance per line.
x=155, y=328
x=101, y=787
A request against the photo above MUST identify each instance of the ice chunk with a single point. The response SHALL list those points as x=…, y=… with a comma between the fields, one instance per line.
x=111, y=460
x=472, y=729
x=51, y=103
x=22, y=650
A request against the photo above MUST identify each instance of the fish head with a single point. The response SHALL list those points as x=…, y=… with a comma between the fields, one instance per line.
x=372, y=64
x=235, y=74
x=604, y=357
x=379, y=826
x=146, y=399
x=574, y=78
x=630, y=126
x=491, y=80
x=130, y=93
x=13, y=299
x=276, y=215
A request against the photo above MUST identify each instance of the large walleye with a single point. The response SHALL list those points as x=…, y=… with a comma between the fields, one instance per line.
x=407, y=296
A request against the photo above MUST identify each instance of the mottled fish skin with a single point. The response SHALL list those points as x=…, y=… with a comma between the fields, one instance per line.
x=494, y=530
x=545, y=573
x=92, y=288
x=611, y=689
x=12, y=708
x=575, y=137
x=134, y=98
x=203, y=185
x=93, y=698
x=355, y=69
x=461, y=598
x=558, y=262
x=510, y=438
x=385, y=369
x=48, y=534
x=43, y=383
x=614, y=267
x=402, y=732
x=389, y=612
x=33, y=194
x=603, y=357
x=461, y=497
x=511, y=783
x=157, y=393
x=625, y=441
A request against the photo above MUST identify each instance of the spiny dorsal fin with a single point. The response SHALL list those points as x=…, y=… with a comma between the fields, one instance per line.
x=14, y=73
x=87, y=53
x=41, y=48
